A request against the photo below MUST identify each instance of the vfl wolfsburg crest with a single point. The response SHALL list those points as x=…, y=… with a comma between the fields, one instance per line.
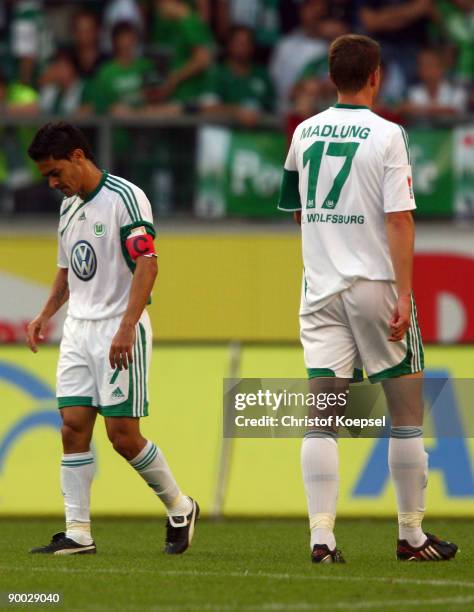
x=99, y=229
x=83, y=260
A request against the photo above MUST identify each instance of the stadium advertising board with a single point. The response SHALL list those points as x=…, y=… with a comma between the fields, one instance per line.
x=246, y=284
x=239, y=172
x=256, y=468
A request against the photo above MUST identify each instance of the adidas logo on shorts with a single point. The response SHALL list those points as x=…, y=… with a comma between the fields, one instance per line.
x=116, y=393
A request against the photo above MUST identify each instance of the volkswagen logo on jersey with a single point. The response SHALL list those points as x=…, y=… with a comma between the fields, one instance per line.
x=83, y=260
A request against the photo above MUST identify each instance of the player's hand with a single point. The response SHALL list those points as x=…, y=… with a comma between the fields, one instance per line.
x=36, y=331
x=400, y=321
x=121, y=349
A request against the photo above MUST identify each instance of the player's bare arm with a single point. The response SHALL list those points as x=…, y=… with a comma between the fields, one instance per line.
x=400, y=229
x=122, y=344
x=59, y=295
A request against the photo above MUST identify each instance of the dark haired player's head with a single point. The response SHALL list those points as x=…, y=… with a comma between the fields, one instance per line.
x=64, y=156
x=58, y=141
x=354, y=65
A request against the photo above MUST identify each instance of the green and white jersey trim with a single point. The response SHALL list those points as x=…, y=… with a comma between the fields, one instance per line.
x=405, y=140
x=126, y=194
x=138, y=375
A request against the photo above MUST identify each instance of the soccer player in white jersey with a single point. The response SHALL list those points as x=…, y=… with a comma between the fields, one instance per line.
x=348, y=179
x=106, y=269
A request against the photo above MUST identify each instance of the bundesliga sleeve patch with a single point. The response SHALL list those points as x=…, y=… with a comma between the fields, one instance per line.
x=140, y=243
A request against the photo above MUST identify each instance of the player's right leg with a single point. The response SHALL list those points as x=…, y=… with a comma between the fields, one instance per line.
x=123, y=402
x=76, y=400
x=330, y=355
x=77, y=472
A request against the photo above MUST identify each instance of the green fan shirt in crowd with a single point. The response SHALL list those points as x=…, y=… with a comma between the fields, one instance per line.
x=253, y=90
x=117, y=84
x=177, y=39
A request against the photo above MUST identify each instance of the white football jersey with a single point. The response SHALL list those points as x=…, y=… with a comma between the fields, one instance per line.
x=345, y=169
x=91, y=244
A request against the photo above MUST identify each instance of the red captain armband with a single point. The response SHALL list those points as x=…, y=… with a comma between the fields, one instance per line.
x=140, y=243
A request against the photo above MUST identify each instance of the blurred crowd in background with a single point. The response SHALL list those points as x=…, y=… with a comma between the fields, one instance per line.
x=178, y=65
x=236, y=58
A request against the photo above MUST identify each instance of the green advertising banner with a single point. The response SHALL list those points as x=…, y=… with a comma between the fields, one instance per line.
x=431, y=154
x=239, y=172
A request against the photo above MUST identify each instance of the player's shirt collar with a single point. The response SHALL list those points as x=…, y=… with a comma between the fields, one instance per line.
x=351, y=106
x=98, y=188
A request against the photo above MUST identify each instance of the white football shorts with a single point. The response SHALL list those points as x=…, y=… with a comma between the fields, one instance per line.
x=84, y=375
x=351, y=332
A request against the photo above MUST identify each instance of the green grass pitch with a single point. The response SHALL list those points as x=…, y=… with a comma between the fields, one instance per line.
x=233, y=565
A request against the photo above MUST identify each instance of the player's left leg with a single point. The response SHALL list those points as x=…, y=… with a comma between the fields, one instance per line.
x=123, y=401
x=399, y=366
x=320, y=468
x=148, y=460
x=407, y=458
x=408, y=463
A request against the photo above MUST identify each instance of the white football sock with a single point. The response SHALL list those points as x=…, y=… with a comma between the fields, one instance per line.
x=151, y=464
x=320, y=466
x=408, y=463
x=77, y=472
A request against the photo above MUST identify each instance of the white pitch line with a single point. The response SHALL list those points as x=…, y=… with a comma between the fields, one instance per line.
x=281, y=607
x=312, y=578
x=366, y=604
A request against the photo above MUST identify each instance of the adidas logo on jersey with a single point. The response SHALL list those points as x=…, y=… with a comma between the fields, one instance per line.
x=116, y=393
x=82, y=217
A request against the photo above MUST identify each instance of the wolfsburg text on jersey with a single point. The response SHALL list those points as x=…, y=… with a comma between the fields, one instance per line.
x=330, y=218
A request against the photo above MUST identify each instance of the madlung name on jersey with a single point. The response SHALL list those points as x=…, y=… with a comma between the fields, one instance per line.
x=336, y=131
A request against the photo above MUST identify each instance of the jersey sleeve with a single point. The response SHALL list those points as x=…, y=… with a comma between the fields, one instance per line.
x=397, y=180
x=136, y=219
x=289, y=199
x=136, y=212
